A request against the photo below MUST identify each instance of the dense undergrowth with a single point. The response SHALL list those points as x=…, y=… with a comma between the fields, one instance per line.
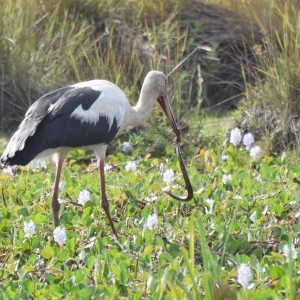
x=243, y=217
x=237, y=239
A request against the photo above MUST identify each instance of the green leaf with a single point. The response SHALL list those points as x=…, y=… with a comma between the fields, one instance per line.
x=86, y=293
x=165, y=257
x=90, y=261
x=40, y=218
x=23, y=211
x=47, y=252
x=148, y=250
x=29, y=286
x=276, y=272
x=295, y=168
x=267, y=172
x=123, y=272
x=266, y=294
x=174, y=250
x=56, y=289
x=71, y=246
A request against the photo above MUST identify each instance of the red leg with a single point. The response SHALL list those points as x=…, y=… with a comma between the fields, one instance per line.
x=55, y=203
x=104, y=202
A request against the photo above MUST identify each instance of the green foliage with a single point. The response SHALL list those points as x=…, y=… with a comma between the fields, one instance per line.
x=272, y=107
x=197, y=248
x=194, y=251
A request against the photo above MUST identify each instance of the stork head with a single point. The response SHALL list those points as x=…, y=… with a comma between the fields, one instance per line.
x=155, y=87
x=161, y=83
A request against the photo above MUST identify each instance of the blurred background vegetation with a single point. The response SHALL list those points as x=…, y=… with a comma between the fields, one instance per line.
x=247, y=61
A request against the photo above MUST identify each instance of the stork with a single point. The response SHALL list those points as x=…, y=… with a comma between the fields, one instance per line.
x=86, y=115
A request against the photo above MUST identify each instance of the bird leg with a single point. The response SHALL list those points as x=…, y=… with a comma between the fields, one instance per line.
x=104, y=202
x=55, y=203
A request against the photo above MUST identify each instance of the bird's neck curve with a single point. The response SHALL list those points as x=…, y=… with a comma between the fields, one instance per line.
x=142, y=110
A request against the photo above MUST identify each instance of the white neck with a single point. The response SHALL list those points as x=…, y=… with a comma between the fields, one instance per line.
x=139, y=113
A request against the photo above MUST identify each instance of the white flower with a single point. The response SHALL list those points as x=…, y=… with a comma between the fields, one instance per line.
x=226, y=178
x=235, y=136
x=258, y=178
x=130, y=166
x=8, y=170
x=255, y=151
x=29, y=228
x=286, y=251
x=126, y=147
x=244, y=275
x=151, y=221
x=166, y=189
x=59, y=235
x=168, y=176
x=248, y=140
x=84, y=196
x=151, y=197
x=107, y=168
x=224, y=157
x=210, y=203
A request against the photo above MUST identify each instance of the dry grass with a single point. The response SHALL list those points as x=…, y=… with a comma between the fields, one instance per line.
x=272, y=108
x=44, y=45
x=119, y=41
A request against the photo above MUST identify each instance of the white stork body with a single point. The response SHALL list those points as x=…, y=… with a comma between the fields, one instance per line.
x=84, y=115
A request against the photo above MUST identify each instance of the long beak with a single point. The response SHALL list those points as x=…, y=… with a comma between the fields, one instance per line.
x=165, y=105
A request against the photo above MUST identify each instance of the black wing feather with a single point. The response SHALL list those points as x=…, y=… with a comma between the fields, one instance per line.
x=48, y=124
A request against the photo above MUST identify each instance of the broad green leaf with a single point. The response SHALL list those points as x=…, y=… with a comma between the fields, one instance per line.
x=267, y=172
x=71, y=246
x=47, y=252
x=276, y=272
x=86, y=293
x=29, y=286
x=295, y=168
x=123, y=272
x=148, y=250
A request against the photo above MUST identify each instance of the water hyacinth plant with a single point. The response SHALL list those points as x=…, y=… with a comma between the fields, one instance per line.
x=83, y=197
x=29, y=228
x=235, y=136
x=248, y=140
x=168, y=176
x=59, y=235
x=289, y=250
x=237, y=197
x=131, y=166
x=255, y=152
x=151, y=222
x=126, y=147
x=230, y=242
x=244, y=275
